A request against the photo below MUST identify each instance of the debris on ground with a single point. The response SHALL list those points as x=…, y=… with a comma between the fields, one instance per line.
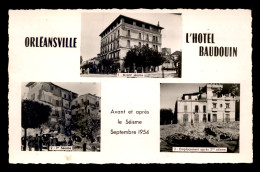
x=217, y=134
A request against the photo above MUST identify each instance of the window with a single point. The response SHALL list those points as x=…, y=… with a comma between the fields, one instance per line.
x=147, y=37
x=215, y=118
x=185, y=118
x=227, y=119
x=204, y=118
x=49, y=99
x=33, y=96
x=139, y=44
x=64, y=96
x=156, y=47
x=209, y=117
x=221, y=105
x=147, y=45
x=196, y=118
x=189, y=96
x=185, y=108
x=204, y=109
x=214, y=105
x=57, y=102
x=128, y=32
x=196, y=108
x=118, y=33
x=128, y=43
x=227, y=105
x=140, y=36
x=153, y=38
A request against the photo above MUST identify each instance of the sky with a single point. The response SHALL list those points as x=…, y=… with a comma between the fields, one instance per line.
x=78, y=87
x=170, y=91
x=92, y=24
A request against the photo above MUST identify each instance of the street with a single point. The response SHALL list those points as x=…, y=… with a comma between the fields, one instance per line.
x=167, y=74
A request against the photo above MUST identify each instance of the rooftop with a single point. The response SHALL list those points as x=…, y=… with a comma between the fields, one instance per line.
x=122, y=16
x=31, y=83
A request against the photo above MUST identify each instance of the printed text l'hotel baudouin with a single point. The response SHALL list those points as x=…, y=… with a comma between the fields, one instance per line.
x=208, y=38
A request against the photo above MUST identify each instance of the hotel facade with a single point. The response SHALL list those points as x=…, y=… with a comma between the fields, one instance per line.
x=124, y=33
x=206, y=106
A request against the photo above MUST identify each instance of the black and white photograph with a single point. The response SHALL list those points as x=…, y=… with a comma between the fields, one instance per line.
x=130, y=86
x=131, y=45
x=62, y=116
x=199, y=117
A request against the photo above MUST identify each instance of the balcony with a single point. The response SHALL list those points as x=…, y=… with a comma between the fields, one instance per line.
x=214, y=97
x=214, y=109
x=227, y=109
x=228, y=98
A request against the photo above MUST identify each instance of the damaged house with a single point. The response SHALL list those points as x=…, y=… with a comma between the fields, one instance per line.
x=206, y=105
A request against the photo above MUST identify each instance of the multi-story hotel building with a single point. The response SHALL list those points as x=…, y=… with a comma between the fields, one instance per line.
x=125, y=32
x=206, y=106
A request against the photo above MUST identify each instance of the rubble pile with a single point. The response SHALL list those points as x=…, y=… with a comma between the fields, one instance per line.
x=184, y=140
x=203, y=135
x=223, y=131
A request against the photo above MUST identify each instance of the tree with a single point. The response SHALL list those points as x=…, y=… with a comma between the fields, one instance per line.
x=143, y=57
x=33, y=115
x=81, y=59
x=166, y=116
x=85, y=66
x=106, y=63
x=177, y=58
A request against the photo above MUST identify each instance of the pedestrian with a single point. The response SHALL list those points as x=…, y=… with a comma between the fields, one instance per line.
x=65, y=142
x=30, y=143
x=23, y=143
x=49, y=142
x=40, y=143
x=36, y=144
x=84, y=146
x=54, y=141
x=70, y=142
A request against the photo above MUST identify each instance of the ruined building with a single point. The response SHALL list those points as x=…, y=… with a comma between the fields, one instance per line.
x=206, y=105
x=64, y=104
x=58, y=98
x=89, y=106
